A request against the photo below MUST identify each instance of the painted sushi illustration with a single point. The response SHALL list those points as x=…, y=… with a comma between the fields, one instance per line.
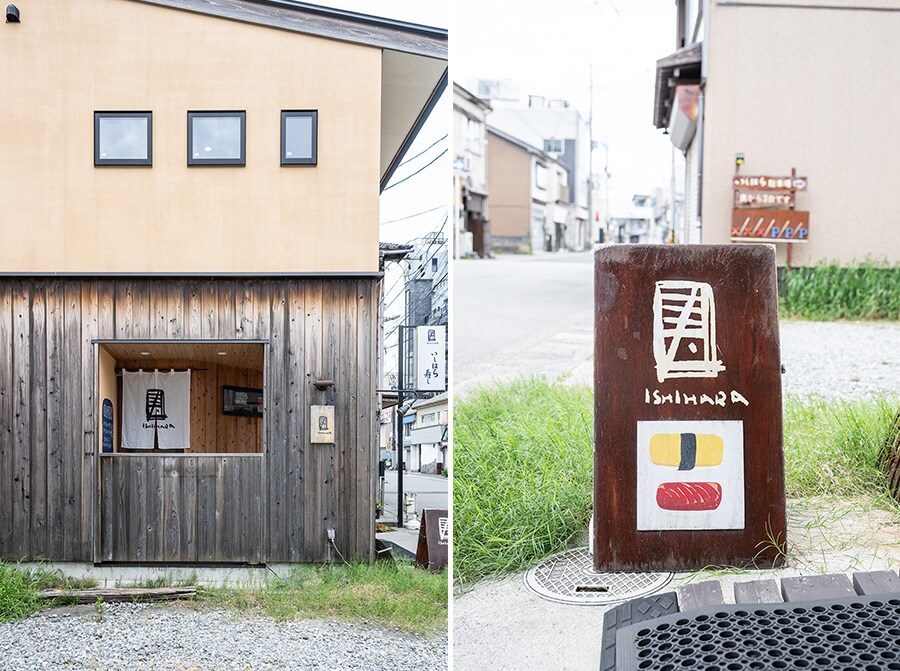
x=689, y=495
x=686, y=450
x=690, y=475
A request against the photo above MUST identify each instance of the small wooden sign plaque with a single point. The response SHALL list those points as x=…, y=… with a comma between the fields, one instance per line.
x=688, y=459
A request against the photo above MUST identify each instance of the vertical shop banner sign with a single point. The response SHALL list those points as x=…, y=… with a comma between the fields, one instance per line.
x=156, y=410
x=431, y=370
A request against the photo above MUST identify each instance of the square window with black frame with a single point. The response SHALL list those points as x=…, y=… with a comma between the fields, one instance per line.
x=299, y=137
x=123, y=138
x=217, y=138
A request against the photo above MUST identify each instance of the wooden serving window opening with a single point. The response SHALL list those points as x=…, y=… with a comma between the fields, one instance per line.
x=214, y=409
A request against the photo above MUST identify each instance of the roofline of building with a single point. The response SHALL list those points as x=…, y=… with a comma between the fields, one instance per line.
x=524, y=145
x=471, y=97
x=327, y=22
x=210, y=275
x=414, y=131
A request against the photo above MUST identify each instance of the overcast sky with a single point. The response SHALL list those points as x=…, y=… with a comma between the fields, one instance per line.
x=550, y=49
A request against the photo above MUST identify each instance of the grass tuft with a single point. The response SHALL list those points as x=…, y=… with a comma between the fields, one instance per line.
x=829, y=292
x=19, y=588
x=522, y=475
x=390, y=593
x=832, y=447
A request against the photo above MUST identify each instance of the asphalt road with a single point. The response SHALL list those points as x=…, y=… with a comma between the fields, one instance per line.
x=533, y=316
x=522, y=315
x=431, y=492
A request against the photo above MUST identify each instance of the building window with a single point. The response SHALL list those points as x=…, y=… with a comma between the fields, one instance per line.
x=540, y=176
x=553, y=146
x=217, y=138
x=299, y=137
x=123, y=138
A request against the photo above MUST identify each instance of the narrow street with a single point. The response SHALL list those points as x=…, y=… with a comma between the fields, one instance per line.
x=522, y=316
x=430, y=490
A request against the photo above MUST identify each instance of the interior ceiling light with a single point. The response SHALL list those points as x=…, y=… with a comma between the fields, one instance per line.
x=222, y=353
x=207, y=148
x=145, y=353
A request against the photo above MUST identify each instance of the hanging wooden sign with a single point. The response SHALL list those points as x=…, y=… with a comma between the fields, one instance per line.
x=688, y=462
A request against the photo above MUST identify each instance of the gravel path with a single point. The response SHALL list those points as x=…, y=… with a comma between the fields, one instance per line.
x=850, y=360
x=137, y=637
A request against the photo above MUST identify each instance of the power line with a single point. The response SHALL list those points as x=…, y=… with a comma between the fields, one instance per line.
x=417, y=214
x=417, y=273
x=421, y=271
x=413, y=158
x=421, y=300
x=417, y=171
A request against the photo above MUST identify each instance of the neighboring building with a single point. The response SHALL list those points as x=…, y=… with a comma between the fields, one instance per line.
x=560, y=131
x=427, y=447
x=788, y=85
x=642, y=221
x=470, y=195
x=427, y=281
x=529, y=195
x=194, y=187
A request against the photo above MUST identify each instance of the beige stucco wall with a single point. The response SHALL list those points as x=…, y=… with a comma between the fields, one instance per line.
x=58, y=212
x=509, y=176
x=813, y=89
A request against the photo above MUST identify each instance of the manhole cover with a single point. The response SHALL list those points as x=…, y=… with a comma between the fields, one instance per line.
x=569, y=577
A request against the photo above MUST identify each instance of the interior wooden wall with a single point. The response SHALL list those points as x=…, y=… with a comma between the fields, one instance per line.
x=211, y=430
x=313, y=329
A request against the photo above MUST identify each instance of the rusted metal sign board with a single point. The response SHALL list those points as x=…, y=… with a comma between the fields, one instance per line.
x=688, y=459
x=767, y=183
x=770, y=225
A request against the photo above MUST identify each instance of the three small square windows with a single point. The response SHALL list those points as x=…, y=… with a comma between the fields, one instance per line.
x=214, y=138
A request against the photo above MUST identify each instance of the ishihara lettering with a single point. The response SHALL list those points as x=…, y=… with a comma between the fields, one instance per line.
x=719, y=398
x=167, y=425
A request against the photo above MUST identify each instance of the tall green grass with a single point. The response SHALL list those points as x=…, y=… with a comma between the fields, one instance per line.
x=522, y=475
x=391, y=593
x=828, y=292
x=19, y=588
x=832, y=447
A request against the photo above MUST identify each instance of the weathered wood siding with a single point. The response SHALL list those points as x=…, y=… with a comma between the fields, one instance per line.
x=315, y=329
x=181, y=508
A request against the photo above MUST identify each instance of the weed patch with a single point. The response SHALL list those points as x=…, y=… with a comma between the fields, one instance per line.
x=395, y=594
x=828, y=292
x=522, y=476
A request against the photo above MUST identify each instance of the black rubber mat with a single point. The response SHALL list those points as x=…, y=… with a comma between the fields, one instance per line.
x=629, y=613
x=858, y=632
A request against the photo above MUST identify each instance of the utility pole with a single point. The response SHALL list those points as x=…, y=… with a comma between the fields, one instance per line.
x=591, y=163
x=400, y=385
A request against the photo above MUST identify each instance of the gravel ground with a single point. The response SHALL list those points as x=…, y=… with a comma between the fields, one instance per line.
x=850, y=360
x=137, y=637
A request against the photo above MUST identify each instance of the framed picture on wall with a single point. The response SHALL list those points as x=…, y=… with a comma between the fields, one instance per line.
x=242, y=401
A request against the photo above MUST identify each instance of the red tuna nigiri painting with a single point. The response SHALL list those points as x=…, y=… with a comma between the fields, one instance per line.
x=689, y=495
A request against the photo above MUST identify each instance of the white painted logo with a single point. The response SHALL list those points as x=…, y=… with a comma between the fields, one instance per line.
x=684, y=330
